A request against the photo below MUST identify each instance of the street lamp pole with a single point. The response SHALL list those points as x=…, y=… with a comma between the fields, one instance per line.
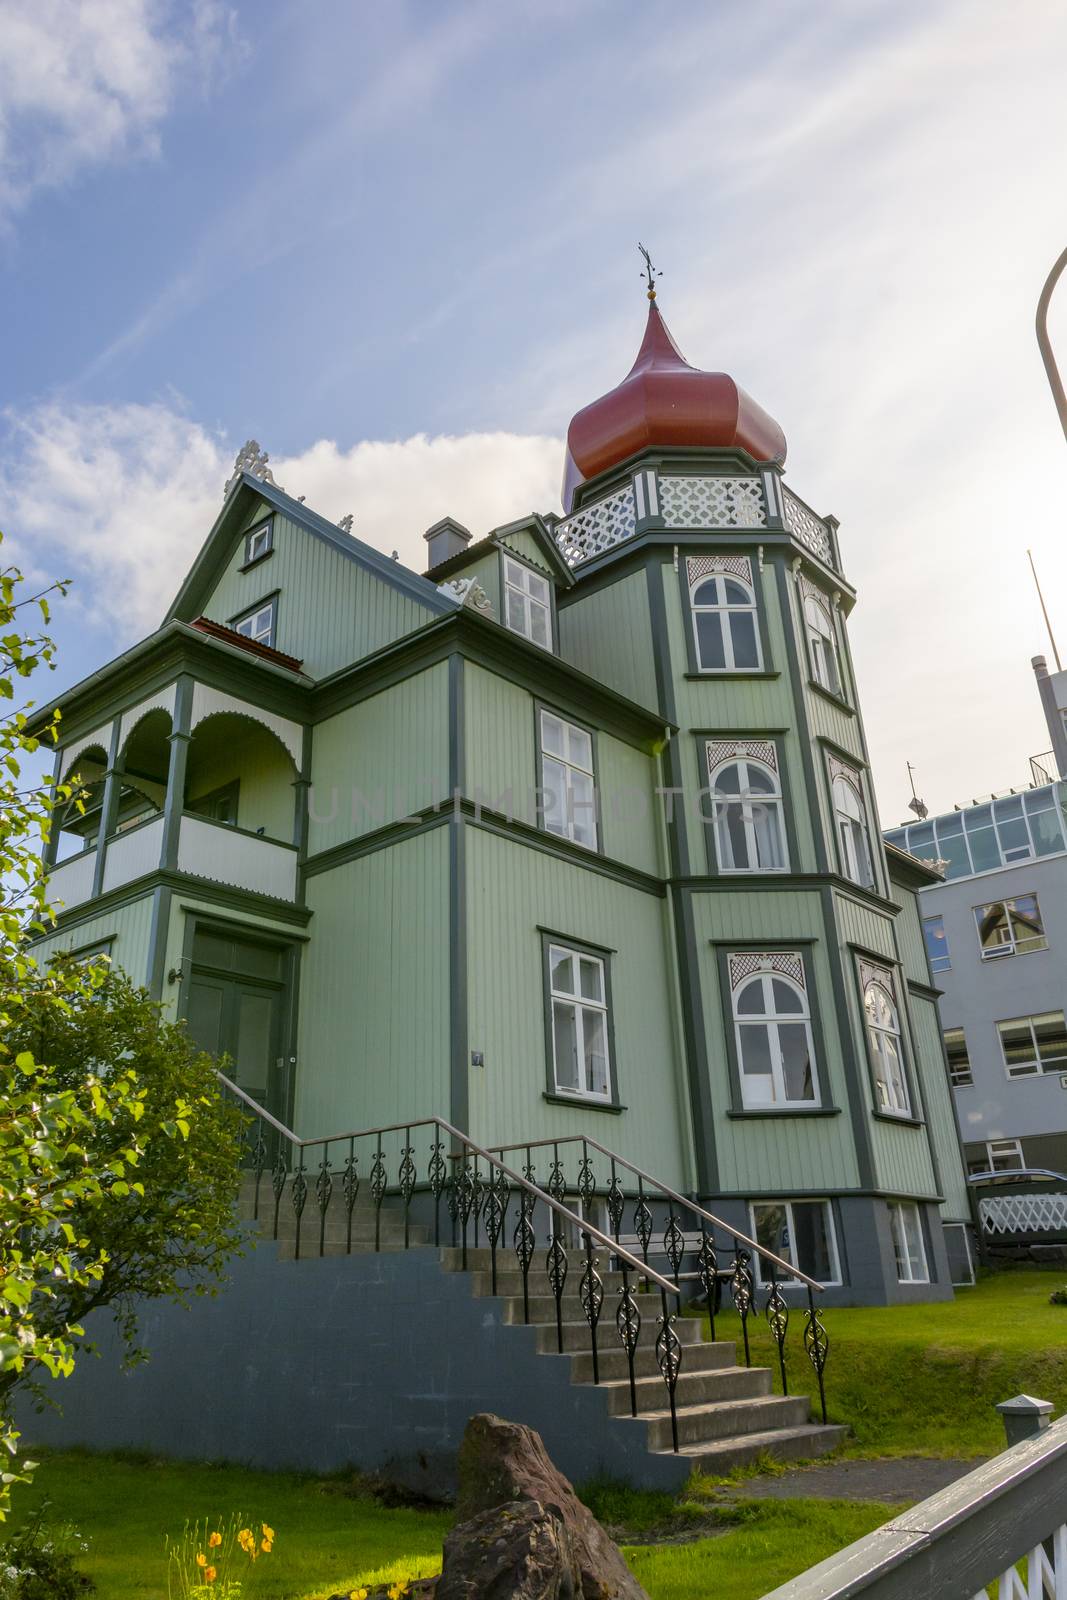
x=1055, y=382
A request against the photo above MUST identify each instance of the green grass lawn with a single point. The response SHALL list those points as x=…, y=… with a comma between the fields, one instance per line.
x=923, y=1379
x=330, y=1538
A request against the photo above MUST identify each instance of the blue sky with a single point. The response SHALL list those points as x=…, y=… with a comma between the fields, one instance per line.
x=396, y=243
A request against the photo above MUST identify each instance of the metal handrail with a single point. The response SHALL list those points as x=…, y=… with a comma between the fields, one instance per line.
x=581, y=1223
x=672, y=1194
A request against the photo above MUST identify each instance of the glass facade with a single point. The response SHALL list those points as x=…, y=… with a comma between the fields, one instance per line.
x=1017, y=827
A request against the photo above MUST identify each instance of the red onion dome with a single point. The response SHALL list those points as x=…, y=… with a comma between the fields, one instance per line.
x=663, y=401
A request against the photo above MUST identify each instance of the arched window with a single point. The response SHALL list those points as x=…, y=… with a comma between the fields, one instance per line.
x=887, y=1057
x=747, y=801
x=774, y=1044
x=822, y=644
x=724, y=624
x=850, y=821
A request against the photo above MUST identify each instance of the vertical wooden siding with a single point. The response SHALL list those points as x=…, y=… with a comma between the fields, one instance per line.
x=512, y=892
x=380, y=760
x=374, y=1003
x=129, y=925
x=608, y=634
x=331, y=610
x=781, y=1153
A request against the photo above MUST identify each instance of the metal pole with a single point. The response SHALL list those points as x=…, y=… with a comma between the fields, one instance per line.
x=1044, y=344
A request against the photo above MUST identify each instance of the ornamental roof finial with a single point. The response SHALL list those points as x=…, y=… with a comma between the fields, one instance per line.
x=650, y=273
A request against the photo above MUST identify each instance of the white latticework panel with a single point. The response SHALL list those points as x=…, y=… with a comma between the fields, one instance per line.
x=1024, y=1213
x=807, y=528
x=869, y=973
x=720, y=750
x=712, y=502
x=597, y=527
x=1044, y=1579
x=787, y=962
x=701, y=566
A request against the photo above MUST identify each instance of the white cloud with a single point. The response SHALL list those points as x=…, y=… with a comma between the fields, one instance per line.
x=86, y=82
x=122, y=497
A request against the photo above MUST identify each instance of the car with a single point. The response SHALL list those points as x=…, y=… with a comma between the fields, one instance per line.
x=1019, y=1175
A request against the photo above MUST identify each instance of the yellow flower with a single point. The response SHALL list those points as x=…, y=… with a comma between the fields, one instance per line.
x=209, y=1574
x=214, y=1540
x=268, y=1533
x=247, y=1540
x=266, y=1547
x=357, y=1594
x=201, y=1561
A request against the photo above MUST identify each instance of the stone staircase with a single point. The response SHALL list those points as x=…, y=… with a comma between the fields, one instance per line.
x=727, y=1414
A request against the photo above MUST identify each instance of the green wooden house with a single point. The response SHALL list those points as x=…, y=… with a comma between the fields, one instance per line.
x=572, y=833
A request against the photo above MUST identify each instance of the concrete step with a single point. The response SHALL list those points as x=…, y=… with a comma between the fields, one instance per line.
x=614, y=1366
x=509, y=1284
x=802, y=1443
x=363, y=1243
x=694, y=1389
x=576, y=1335
x=479, y=1260
x=543, y=1307
x=727, y=1419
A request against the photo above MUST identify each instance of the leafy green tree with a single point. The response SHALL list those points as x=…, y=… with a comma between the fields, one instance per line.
x=170, y=1233
x=73, y=1141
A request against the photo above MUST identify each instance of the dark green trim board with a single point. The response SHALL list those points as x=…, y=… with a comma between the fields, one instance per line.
x=457, y=731
x=575, y=1102
x=202, y=888
x=157, y=941
x=856, y=1094
x=803, y=724
x=568, y=941
x=459, y=1109
x=174, y=803
x=670, y=757
x=723, y=950
x=694, y=1031
x=108, y=809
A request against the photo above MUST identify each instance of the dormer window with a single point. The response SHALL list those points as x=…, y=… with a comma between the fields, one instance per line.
x=259, y=623
x=259, y=542
x=527, y=603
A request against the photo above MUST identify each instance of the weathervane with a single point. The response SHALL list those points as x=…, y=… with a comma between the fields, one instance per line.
x=915, y=804
x=650, y=272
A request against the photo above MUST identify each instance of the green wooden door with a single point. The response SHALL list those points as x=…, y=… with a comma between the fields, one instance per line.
x=236, y=1008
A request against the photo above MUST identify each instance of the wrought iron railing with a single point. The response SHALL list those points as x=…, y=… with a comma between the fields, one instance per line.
x=582, y=1167
x=429, y=1165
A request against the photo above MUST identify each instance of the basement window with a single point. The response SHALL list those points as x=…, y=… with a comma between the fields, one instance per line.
x=909, y=1246
x=802, y=1233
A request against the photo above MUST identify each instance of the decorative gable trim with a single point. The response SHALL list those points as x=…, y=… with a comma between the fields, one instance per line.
x=719, y=750
x=697, y=567
x=790, y=963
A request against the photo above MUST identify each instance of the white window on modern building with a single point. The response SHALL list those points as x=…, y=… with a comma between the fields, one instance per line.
x=959, y=1062
x=850, y=825
x=527, y=603
x=1010, y=927
x=1004, y=1155
x=1032, y=1045
x=258, y=541
x=569, y=798
x=936, y=944
x=822, y=644
x=772, y=1026
x=802, y=1233
x=887, y=1050
x=909, y=1247
x=578, y=998
x=746, y=797
x=258, y=624
x=725, y=625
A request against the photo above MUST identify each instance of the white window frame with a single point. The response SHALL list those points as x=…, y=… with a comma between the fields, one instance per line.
x=787, y=1252
x=959, y=1082
x=725, y=609
x=772, y=1020
x=902, y=1245
x=259, y=541
x=574, y=773
x=557, y=949
x=876, y=1032
x=945, y=957
x=748, y=800
x=268, y=608
x=1010, y=945
x=997, y=1149
x=1034, y=1067
x=822, y=646
x=853, y=833
x=522, y=581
